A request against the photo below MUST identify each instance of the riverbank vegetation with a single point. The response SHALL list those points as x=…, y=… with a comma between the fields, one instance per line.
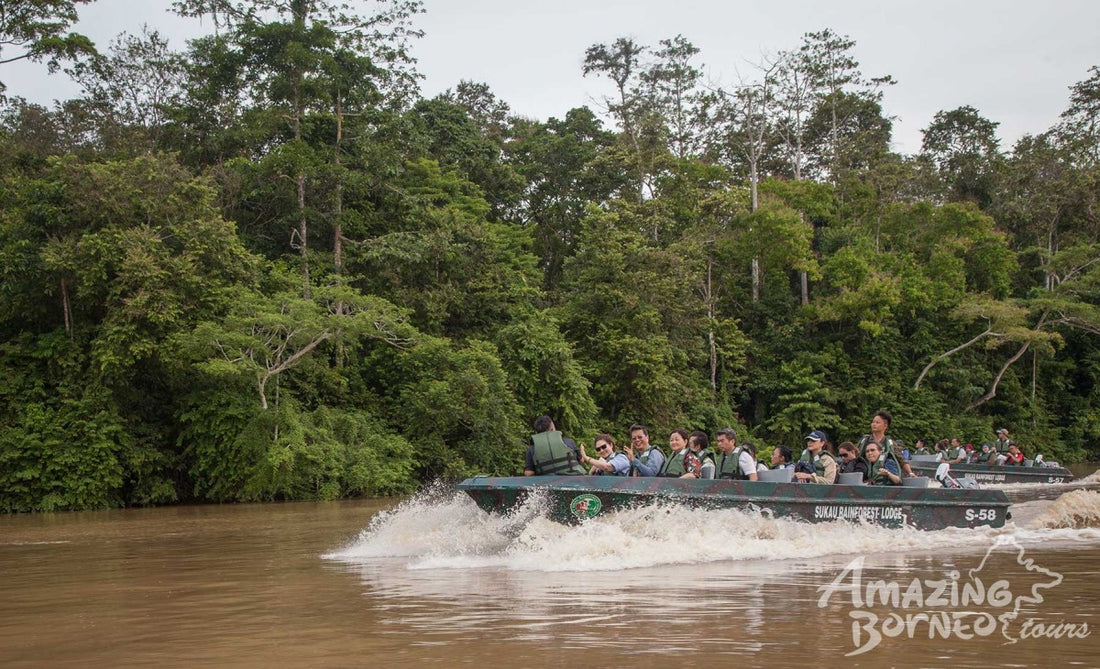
x=265, y=267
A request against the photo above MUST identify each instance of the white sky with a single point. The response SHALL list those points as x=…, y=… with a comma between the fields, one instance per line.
x=1012, y=60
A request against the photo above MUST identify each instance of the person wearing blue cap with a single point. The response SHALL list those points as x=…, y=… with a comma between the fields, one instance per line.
x=823, y=462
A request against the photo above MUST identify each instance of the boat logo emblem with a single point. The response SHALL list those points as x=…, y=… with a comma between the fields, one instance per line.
x=585, y=506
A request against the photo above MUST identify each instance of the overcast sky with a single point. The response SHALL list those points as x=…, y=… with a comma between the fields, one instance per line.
x=1012, y=60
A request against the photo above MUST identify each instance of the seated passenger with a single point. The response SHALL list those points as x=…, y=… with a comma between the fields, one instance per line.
x=921, y=448
x=956, y=453
x=699, y=444
x=645, y=458
x=781, y=458
x=682, y=463
x=609, y=462
x=736, y=462
x=1014, y=456
x=821, y=460
x=881, y=470
x=850, y=462
x=550, y=453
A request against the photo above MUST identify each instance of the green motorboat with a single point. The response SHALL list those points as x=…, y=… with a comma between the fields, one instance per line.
x=925, y=465
x=571, y=499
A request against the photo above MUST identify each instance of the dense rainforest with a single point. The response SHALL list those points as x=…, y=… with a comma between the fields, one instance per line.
x=265, y=267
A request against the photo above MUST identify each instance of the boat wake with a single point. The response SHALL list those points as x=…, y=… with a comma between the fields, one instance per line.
x=1091, y=478
x=443, y=529
x=1077, y=509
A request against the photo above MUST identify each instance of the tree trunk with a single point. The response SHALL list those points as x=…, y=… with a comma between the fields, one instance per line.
x=66, y=311
x=753, y=183
x=992, y=392
x=756, y=279
x=337, y=225
x=708, y=291
x=988, y=332
x=303, y=231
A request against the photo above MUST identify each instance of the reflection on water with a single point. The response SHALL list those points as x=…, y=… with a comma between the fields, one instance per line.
x=435, y=580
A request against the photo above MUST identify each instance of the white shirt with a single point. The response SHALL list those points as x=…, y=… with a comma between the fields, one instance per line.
x=746, y=463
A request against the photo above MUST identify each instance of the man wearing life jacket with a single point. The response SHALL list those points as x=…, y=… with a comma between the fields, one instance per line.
x=921, y=448
x=551, y=454
x=880, y=423
x=956, y=453
x=1002, y=442
x=825, y=467
x=645, y=459
x=735, y=462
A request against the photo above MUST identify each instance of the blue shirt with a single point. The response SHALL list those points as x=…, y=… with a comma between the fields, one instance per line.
x=620, y=463
x=656, y=461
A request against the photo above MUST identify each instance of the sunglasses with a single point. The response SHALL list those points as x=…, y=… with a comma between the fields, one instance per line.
x=603, y=447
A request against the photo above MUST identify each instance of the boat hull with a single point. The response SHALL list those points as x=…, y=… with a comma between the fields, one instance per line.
x=998, y=473
x=575, y=498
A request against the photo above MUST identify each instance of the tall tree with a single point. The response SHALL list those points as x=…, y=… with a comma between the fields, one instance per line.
x=672, y=82
x=130, y=89
x=37, y=30
x=621, y=63
x=826, y=59
x=963, y=147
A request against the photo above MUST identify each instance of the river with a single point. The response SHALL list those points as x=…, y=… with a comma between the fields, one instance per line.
x=432, y=580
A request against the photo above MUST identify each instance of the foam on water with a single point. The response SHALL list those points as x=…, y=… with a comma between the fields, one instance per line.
x=1076, y=509
x=1091, y=478
x=444, y=529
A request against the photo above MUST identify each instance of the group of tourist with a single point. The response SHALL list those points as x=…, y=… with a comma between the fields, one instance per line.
x=880, y=460
x=1002, y=451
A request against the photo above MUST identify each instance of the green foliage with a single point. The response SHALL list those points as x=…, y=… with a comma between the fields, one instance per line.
x=457, y=408
x=64, y=445
x=543, y=373
x=238, y=452
x=804, y=403
x=337, y=289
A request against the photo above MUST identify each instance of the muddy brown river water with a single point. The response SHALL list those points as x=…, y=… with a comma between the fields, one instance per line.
x=435, y=581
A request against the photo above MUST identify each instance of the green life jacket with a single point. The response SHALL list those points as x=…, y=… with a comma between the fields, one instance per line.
x=705, y=455
x=644, y=457
x=730, y=467
x=923, y=450
x=873, y=469
x=822, y=459
x=819, y=462
x=674, y=465
x=954, y=452
x=888, y=447
x=551, y=456
x=1001, y=445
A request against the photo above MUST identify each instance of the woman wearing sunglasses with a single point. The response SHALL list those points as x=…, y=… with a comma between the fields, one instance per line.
x=608, y=462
